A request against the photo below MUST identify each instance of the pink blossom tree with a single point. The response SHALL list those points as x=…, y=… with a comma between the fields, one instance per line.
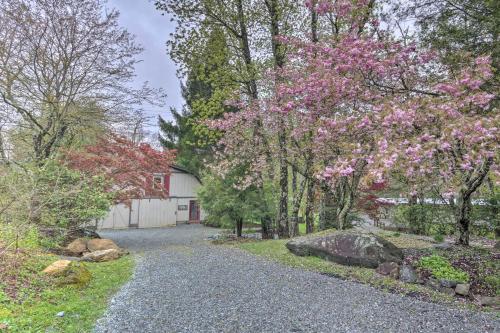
x=367, y=106
x=448, y=139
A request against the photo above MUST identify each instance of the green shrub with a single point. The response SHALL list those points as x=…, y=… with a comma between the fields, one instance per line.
x=70, y=198
x=225, y=204
x=50, y=195
x=486, y=218
x=424, y=219
x=441, y=268
x=439, y=238
x=396, y=234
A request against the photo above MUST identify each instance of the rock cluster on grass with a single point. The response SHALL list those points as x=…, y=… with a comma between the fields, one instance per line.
x=95, y=250
x=408, y=274
x=348, y=248
x=363, y=249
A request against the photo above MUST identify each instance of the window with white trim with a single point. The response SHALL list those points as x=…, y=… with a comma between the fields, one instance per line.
x=158, y=182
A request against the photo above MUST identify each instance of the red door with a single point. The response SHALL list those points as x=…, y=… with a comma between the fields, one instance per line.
x=194, y=211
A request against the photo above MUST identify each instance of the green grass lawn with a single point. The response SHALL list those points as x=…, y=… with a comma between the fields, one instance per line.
x=37, y=302
x=277, y=251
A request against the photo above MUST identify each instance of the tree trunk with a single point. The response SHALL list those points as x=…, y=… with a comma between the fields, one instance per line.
x=247, y=56
x=314, y=22
x=282, y=222
x=3, y=155
x=462, y=217
x=266, y=224
x=266, y=221
x=294, y=219
x=298, y=194
x=463, y=206
x=273, y=8
x=310, y=207
x=239, y=226
x=346, y=193
x=327, y=216
x=344, y=211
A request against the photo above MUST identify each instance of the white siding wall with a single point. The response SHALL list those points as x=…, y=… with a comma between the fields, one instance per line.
x=183, y=185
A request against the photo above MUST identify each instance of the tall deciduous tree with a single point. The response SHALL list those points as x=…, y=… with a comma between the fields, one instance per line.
x=61, y=61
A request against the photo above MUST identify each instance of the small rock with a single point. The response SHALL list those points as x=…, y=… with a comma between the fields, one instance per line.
x=389, y=268
x=442, y=246
x=448, y=291
x=76, y=273
x=408, y=274
x=57, y=268
x=101, y=244
x=448, y=283
x=462, y=289
x=489, y=301
x=104, y=255
x=69, y=272
x=77, y=247
x=60, y=314
x=433, y=284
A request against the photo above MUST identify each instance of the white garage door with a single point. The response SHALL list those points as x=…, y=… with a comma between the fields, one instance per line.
x=154, y=213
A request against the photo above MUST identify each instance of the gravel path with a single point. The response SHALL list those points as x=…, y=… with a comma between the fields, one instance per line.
x=182, y=284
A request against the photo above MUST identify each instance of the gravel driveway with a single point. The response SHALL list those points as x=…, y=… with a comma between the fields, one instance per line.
x=183, y=284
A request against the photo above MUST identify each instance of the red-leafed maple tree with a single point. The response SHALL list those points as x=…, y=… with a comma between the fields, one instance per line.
x=130, y=168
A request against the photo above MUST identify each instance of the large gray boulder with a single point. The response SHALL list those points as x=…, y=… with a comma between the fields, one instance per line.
x=348, y=248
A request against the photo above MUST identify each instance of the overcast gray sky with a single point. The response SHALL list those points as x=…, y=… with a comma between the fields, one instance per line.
x=152, y=30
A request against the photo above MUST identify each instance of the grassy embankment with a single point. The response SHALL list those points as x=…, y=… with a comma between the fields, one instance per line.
x=30, y=301
x=277, y=251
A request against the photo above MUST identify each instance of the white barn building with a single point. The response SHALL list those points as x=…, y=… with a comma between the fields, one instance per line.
x=180, y=207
